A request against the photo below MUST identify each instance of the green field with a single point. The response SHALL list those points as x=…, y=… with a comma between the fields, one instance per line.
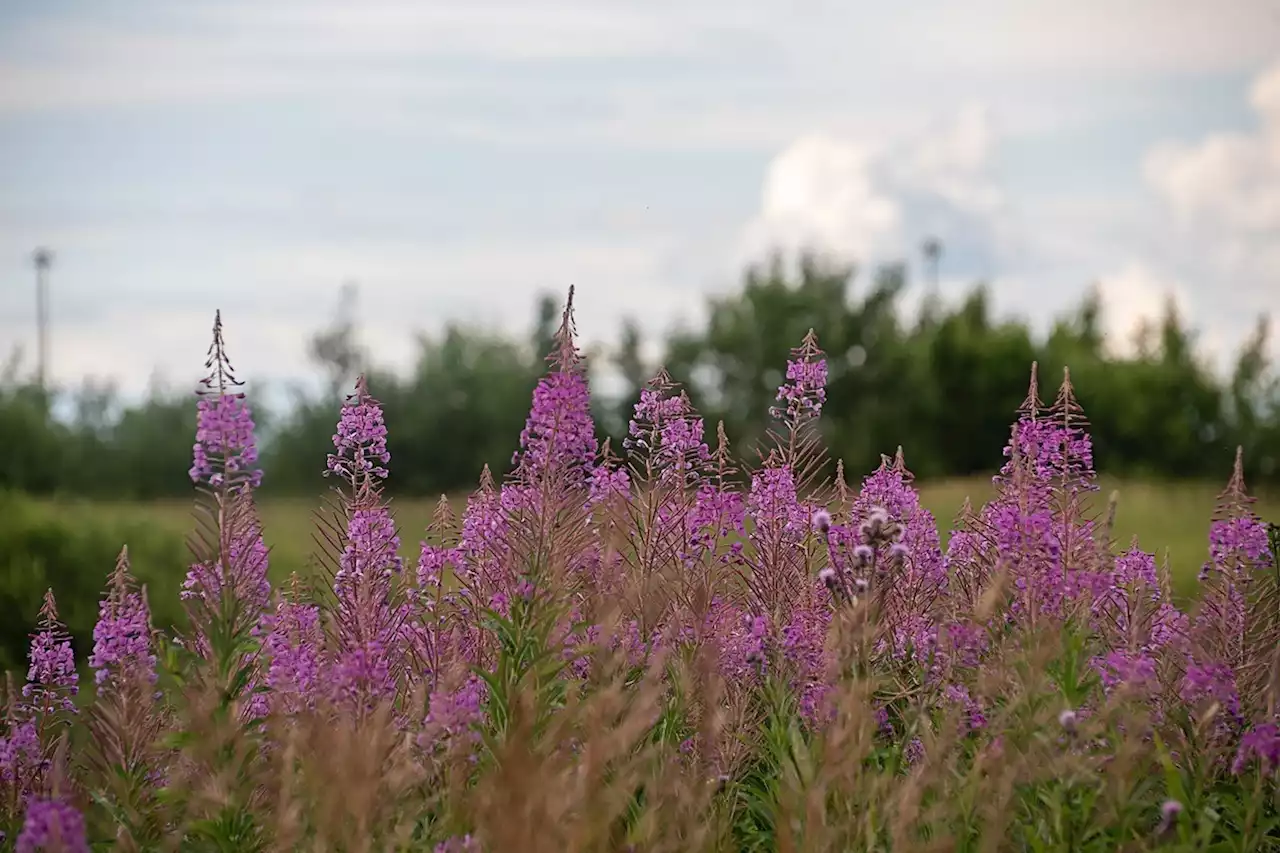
x=1173, y=516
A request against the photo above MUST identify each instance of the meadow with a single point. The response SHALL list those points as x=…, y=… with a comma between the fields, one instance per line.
x=611, y=654
x=1167, y=518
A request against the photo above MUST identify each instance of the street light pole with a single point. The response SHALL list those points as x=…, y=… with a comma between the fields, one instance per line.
x=932, y=249
x=43, y=259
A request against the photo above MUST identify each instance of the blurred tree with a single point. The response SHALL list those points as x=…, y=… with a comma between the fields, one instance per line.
x=336, y=348
x=734, y=366
x=945, y=388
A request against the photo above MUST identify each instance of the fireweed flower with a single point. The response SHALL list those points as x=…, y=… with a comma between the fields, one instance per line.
x=1213, y=684
x=773, y=506
x=559, y=429
x=1239, y=550
x=481, y=548
x=803, y=648
x=452, y=716
x=804, y=390
x=1033, y=526
x=975, y=718
x=1128, y=606
x=122, y=635
x=361, y=677
x=780, y=523
x=742, y=640
x=360, y=442
x=893, y=541
x=225, y=451
x=224, y=441
x=247, y=580
x=432, y=563
x=1135, y=670
x=1262, y=743
x=241, y=574
x=559, y=433
x=224, y=458
x=913, y=751
x=608, y=481
x=52, y=826
x=22, y=758
x=665, y=436
x=459, y=844
x=51, y=678
x=966, y=643
x=717, y=514
x=369, y=625
x=293, y=651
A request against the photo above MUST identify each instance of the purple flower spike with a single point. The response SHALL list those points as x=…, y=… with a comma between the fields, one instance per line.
x=805, y=390
x=293, y=648
x=225, y=451
x=458, y=844
x=361, y=439
x=122, y=636
x=559, y=430
x=1262, y=743
x=51, y=678
x=225, y=442
x=52, y=826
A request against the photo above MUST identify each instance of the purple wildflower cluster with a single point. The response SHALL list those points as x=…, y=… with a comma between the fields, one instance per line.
x=671, y=553
x=52, y=826
x=122, y=637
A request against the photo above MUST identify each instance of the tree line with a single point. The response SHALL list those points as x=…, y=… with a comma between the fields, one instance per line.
x=943, y=383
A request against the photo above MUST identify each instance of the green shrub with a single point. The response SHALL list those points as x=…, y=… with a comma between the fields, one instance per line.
x=69, y=549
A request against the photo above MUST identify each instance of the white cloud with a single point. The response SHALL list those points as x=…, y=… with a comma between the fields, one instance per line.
x=1134, y=298
x=1222, y=195
x=868, y=202
x=1229, y=182
x=714, y=70
x=822, y=193
x=841, y=91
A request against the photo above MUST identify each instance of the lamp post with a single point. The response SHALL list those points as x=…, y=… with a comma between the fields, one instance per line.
x=932, y=249
x=43, y=259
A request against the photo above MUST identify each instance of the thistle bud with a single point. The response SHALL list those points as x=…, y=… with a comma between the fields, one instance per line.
x=822, y=520
x=863, y=555
x=1067, y=719
x=1168, y=816
x=897, y=555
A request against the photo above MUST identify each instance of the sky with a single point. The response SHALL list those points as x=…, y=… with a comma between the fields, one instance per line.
x=457, y=159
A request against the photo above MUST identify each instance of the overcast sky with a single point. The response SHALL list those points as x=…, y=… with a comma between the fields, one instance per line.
x=455, y=158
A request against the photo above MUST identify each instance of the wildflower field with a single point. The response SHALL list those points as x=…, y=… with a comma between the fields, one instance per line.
x=666, y=646
x=1170, y=519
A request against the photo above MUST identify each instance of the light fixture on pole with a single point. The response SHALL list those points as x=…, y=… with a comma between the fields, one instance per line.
x=43, y=259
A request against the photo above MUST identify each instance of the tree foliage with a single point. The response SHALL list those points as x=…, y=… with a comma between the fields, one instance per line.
x=941, y=383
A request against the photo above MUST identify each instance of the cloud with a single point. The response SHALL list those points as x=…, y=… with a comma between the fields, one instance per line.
x=659, y=72
x=824, y=194
x=867, y=203
x=455, y=158
x=1229, y=182
x=1208, y=238
x=1221, y=198
x=1132, y=299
